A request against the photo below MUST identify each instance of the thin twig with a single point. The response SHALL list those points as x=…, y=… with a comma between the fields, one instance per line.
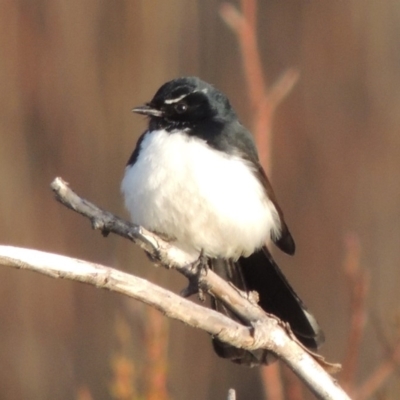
x=247, y=38
x=272, y=382
x=156, y=340
x=294, y=388
x=264, y=114
x=263, y=101
x=379, y=376
x=358, y=283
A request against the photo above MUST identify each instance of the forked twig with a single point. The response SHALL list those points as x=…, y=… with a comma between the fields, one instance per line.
x=263, y=100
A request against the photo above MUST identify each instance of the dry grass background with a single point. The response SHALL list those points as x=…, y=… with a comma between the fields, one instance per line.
x=69, y=74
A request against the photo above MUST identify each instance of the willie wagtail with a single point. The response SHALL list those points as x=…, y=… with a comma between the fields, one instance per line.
x=195, y=179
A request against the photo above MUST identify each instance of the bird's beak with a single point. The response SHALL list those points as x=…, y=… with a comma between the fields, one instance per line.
x=148, y=110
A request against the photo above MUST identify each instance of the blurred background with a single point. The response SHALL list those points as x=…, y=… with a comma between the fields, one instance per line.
x=70, y=72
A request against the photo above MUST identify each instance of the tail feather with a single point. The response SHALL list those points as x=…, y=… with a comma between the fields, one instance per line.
x=260, y=273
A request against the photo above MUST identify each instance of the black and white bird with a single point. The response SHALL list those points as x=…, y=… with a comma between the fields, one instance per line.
x=195, y=179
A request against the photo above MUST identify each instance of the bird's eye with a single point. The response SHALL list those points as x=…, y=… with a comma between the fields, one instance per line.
x=180, y=108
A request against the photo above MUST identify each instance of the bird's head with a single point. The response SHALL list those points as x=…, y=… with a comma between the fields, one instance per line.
x=185, y=101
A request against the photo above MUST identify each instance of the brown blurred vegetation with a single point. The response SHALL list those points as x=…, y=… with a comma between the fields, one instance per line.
x=69, y=74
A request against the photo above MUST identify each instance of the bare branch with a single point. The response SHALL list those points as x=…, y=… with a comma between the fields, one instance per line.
x=170, y=304
x=159, y=250
x=263, y=332
x=164, y=253
x=267, y=334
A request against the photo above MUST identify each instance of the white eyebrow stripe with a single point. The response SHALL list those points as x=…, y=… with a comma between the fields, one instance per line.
x=172, y=101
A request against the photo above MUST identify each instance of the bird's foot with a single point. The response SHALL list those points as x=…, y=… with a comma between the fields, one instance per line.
x=195, y=271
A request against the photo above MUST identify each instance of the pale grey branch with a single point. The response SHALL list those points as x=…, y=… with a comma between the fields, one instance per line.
x=264, y=331
x=267, y=334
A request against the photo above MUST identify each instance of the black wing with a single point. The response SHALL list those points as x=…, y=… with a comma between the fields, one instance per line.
x=260, y=273
x=236, y=140
x=134, y=156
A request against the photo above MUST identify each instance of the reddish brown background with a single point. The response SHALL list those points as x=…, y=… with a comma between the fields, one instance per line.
x=71, y=71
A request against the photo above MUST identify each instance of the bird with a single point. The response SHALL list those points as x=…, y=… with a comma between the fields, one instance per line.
x=195, y=179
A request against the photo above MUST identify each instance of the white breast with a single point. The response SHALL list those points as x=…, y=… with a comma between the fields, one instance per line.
x=199, y=196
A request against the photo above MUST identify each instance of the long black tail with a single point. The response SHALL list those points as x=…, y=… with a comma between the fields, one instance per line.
x=260, y=273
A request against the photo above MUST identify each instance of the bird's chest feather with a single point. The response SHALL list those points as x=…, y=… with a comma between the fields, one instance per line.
x=201, y=197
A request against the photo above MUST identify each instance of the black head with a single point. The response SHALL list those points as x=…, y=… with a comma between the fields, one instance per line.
x=186, y=102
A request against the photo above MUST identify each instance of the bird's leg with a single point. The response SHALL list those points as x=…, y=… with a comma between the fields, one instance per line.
x=195, y=270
